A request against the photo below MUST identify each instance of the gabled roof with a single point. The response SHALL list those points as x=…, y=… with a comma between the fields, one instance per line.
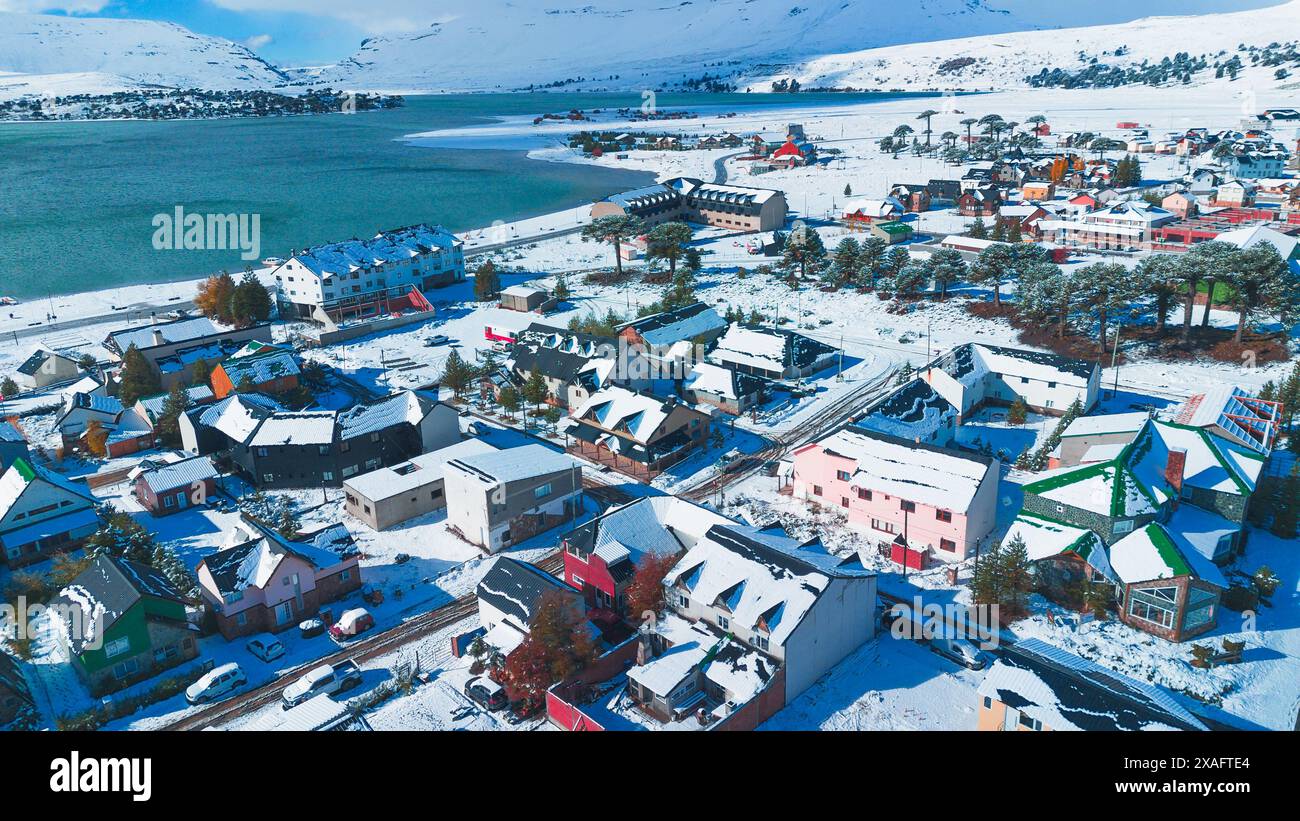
x=767, y=349
x=667, y=327
x=514, y=588
x=764, y=577
x=33, y=363
x=939, y=477
x=108, y=589
x=252, y=562
x=615, y=408
x=970, y=362
x=912, y=411
x=184, y=473
x=153, y=405
x=722, y=382
x=164, y=333
x=22, y=474
x=395, y=246
x=1066, y=692
x=264, y=366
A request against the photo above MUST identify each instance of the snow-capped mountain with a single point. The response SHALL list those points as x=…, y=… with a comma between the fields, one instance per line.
x=42, y=54
x=511, y=44
x=1004, y=60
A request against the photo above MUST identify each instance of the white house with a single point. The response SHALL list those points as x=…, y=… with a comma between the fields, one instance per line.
x=356, y=272
x=504, y=497
x=45, y=367
x=972, y=375
x=508, y=597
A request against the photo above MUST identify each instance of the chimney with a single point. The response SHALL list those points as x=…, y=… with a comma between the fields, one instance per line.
x=1174, y=467
x=158, y=337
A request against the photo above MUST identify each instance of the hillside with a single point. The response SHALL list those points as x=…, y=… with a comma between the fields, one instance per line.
x=503, y=45
x=1005, y=60
x=42, y=54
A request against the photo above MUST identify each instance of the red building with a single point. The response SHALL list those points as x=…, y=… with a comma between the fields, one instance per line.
x=164, y=488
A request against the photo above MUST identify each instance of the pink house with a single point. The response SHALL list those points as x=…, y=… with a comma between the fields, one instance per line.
x=266, y=583
x=943, y=500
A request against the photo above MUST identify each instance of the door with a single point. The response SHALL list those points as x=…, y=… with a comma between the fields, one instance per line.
x=283, y=613
x=1012, y=720
x=182, y=500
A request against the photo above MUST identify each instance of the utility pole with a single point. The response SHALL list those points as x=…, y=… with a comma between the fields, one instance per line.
x=1114, y=360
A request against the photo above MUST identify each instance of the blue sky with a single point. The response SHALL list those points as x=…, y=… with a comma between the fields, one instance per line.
x=286, y=32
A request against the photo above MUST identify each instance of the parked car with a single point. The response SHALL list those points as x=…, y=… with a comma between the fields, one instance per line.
x=436, y=339
x=352, y=623
x=216, y=683
x=327, y=678
x=962, y=651
x=265, y=646
x=486, y=693
x=311, y=628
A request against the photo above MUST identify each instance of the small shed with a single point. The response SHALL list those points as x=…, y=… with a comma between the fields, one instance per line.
x=523, y=298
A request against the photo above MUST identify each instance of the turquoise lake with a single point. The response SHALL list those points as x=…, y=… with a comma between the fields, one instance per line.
x=77, y=199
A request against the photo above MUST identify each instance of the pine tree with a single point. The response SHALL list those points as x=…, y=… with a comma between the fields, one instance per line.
x=201, y=373
x=1288, y=507
x=167, y=426
x=844, y=264
x=978, y=230
x=137, y=379
x=456, y=373
x=8, y=387
x=1013, y=567
x=535, y=390
x=1018, y=413
x=251, y=302
x=508, y=398
x=487, y=283
x=561, y=291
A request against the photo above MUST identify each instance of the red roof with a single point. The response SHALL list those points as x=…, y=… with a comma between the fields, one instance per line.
x=789, y=149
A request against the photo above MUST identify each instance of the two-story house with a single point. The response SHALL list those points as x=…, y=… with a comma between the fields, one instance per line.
x=768, y=616
x=504, y=497
x=263, y=582
x=943, y=502
x=123, y=622
x=973, y=375
x=635, y=433
x=42, y=513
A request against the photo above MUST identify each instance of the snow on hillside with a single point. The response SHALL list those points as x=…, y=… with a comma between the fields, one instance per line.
x=1003, y=61
x=44, y=54
x=504, y=45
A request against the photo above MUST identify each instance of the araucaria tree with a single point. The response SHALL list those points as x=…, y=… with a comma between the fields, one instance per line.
x=1107, y=288
x=615, y=229
x=1262, y=284
x=487, y=283
x=946, y=268
x=844, y=262
x=804, y=251
x=668, y=241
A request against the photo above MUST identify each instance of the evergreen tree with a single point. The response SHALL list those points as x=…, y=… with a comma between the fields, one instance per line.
x=804, y=252
x=1018, y=413
x=871, y=256
x=251, y=302
x=201, y=373
x=508, y=398
x=977, y=229
x=668, y=241
x=8, y=387
x=456, y=373
x=561, y=291
x=137, y=378
x=1288, y=507
x=844, y=264
x=487, y=283
x=214, y=296
x=535, y=390
x=167, y=426
x=615, y=229
x=946, y=268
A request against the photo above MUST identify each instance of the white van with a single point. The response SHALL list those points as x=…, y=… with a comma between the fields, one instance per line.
x=216, y=683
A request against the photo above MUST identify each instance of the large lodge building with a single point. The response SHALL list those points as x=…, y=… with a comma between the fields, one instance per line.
x=734, y=207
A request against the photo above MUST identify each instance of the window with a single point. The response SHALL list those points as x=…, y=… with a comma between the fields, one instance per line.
x=241, y=618
x=542, y=491
x=817, y=490
x=577, y=580
x=948, y=544
x=323, y=450
x=372, y=464
x=327, y=475
x=943, y=515
x=865, y=494
x=988, y=703
x=345, y=575
x=882, y=526
x=910, y=507
x=126, y=669
x=760, y=641
x=268, y=477
x=263, y=452
x=374, y=437
x=350, y=470
x=1031, y=723
x=344, y=447
x=169, y=501
x=1154, y=604
x=724, y=622
x=844, y=501
x=842, y=475
x=1124, y=526
x=116, y=647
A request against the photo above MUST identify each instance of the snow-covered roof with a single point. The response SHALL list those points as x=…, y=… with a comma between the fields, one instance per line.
x=873, y=208
x=1106, y=424
x=739, y=671
x=658, y=525
x=524, y=291
x=514, y=589
x=237, y=415
x=22, y=473
x=106, y=590
x=417, y=472
x=1066, y=692
x=399, y=245
x=153, y=405
x=1044, y=538
x=404, y=407
x=300, y=428
x=617, y=408
x=766, y=349
x=1251, y=236
x=258, y=551
x=764, y=577
x=261, y=367
x=1236, y=412
x=912, y=411
x=971, y=362
x=164, y=333
x=512, y=464
x=667, y=327
x=724, y=383
x=934, y=476
x=183, y=473
x=9, y=433
x=1150, y=553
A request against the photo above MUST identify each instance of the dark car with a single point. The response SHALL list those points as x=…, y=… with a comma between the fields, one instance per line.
x=486, y=693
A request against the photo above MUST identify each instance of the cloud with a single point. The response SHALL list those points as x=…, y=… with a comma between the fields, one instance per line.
x=258, y=41
x=372, y=17
x=36, y=6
